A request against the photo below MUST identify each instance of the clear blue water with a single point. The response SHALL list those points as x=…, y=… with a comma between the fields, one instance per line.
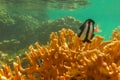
x=104, y=12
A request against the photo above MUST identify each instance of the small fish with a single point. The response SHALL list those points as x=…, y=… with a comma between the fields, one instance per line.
x=39, y=61
x=87, y=30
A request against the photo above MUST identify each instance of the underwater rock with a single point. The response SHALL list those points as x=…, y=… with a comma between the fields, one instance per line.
x=6, y=23
x=5, y=18
x=46, y=28
x=19, y=23
x=15, y=36
x=27, y=28
x=6, y=58
x=10, y=46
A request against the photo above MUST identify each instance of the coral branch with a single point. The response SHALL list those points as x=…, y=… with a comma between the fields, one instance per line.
x=66, y=57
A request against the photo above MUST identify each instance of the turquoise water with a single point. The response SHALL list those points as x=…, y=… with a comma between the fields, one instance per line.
x=106, y=13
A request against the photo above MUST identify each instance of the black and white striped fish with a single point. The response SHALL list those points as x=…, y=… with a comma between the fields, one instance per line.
x=86, y=30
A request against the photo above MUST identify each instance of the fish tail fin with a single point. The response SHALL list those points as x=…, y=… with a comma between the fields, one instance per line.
x=97, y=29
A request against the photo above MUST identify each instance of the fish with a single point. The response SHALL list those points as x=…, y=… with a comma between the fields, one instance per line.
x=39, y=61
x=87, y=29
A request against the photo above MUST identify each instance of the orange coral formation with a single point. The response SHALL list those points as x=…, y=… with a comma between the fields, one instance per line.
x=68, y=58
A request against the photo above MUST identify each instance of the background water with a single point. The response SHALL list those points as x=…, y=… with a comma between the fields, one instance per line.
x=23, y=22
x=104, y=12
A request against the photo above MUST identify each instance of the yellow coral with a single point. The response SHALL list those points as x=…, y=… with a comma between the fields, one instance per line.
x=67, y=58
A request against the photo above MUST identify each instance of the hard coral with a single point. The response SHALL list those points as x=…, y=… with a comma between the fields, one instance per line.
x=68, y=58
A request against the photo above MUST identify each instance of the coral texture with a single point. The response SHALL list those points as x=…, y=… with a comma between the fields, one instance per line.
x=66, y=57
